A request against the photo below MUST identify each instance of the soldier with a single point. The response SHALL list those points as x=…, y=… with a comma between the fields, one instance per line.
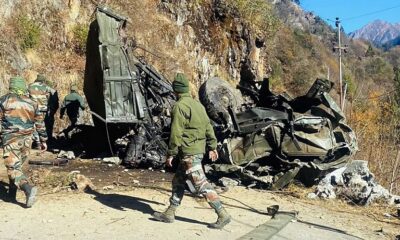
x=52, y=107
x=40, y=92
x=191, y=132
x=72, y=103
x=19, y=116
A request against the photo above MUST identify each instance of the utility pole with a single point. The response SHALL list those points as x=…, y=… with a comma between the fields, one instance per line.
x=340, y=48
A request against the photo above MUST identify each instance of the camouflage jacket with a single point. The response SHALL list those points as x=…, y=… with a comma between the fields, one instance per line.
x=40, y=93
x=19, y=116
x=191, y=130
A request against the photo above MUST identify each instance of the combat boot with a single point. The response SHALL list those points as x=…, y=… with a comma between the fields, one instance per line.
x=168, y=216
x=223, y=219
x=30, y=193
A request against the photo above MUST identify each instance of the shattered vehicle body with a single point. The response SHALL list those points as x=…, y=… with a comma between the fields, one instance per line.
x=129, y=100
x=273, y=138
x=264, y=138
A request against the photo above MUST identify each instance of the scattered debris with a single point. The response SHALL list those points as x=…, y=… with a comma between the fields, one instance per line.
x=116, y=220
x=55, y=150
x=56, y=162
x=81, y=183
x=109, y=187
x=114, y=160
x=136, y=181
x=355, y=183
x=387, y=215
x=228, y=182
x=66, y=154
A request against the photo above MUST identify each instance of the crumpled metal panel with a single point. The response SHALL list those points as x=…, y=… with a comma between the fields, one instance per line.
x=275, y=143
x=111, y=81
x=314, y=136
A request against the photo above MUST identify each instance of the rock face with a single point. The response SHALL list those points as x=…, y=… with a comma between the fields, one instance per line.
x=216, y=40
x=377, y=32
x=293, y=15
x=201, y=38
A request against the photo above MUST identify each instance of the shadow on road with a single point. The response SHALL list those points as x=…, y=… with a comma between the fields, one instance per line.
x=123, y=202
x=245, y=206
x=183, y=219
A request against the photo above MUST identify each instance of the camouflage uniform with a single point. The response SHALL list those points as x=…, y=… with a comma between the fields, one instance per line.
x=19, y=116
x=40, y=92
x=190, y=171
x=191, y=133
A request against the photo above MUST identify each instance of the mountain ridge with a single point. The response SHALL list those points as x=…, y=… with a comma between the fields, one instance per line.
x=378, y=32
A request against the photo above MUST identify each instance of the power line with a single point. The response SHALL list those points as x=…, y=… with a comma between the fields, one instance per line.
x=371, y=13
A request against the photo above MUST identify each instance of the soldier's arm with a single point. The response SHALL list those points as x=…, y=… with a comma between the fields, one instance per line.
x=81, y=103
x=177, y=126
x=39, y=125
x=210, y=137
x=62, y=110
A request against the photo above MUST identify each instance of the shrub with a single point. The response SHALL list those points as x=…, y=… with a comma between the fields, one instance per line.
x=379, y=69
x=258, y=14
x=80, y=34
x=28, y=32
x=351, y=86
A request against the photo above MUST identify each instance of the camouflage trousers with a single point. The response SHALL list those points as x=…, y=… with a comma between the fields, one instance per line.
x=190, y=171
x=48, y=124
x=15, y=153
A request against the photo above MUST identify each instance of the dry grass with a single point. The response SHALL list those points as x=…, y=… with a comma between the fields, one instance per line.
x=376, y=122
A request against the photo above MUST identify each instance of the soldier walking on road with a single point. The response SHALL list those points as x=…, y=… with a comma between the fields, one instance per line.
x=40, y=92
x=19, y=116
x=191, y=133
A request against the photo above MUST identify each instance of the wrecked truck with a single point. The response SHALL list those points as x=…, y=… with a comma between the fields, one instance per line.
x=271, y=139
x=264, y=138
x=129, y=100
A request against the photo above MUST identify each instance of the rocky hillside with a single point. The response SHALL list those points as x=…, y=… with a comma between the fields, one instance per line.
x=377, y=32
x=238, y=40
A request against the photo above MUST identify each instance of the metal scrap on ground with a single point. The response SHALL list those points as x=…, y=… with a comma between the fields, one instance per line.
x=355, y=183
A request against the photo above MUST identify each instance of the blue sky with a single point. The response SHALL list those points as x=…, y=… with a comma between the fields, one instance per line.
x=350, y=10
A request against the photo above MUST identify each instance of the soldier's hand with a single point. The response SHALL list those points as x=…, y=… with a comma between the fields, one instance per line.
x=43, y=146
x=213, y=155
x=168, y=161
